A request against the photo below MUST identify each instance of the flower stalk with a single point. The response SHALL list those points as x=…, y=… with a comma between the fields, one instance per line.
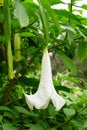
x=17, y=47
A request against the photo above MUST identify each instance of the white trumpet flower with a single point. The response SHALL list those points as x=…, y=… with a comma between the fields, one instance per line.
x=46, y=90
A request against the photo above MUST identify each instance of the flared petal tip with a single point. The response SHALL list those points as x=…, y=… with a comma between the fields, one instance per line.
x=60, y=105
x=35, y=101
x=57, y=100
x=28, y=102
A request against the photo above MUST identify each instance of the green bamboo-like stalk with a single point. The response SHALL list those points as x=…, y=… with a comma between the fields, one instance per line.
x=7, y=34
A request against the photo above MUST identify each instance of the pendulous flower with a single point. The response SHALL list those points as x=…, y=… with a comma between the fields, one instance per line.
x=46, y=90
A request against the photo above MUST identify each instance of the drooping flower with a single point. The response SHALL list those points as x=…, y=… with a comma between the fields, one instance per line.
x=46, y=90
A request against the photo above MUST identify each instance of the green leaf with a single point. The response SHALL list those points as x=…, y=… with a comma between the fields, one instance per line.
x=68, y=28
x=52, y=128
x=67, y=127
x=82, y=50
x=15, y=23
x=82, y=34
x=21, y=15
x=70, y=37
x=79, y=123
x=84, y=112
x=85, y=124
x=30, y=3
x=82, y=100
x=3, y=108
x=53, y=2
x=9, y=126
x=69, y=112
x=70, y=97
x=67, y=14
x=51, y=110
x=84, y=6
x=8, y=114
x=22, y=110
x=85, y=93
x=37, y=127
x=32, y=9
x=27, y=34
x=29, y=81
x=68, y=62
x=1, y=118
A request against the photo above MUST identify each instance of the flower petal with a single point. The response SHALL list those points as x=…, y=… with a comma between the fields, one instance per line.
x=46, y=90
x=57, y=100
x=39, y=100
x=28, y=102
x=46, y=74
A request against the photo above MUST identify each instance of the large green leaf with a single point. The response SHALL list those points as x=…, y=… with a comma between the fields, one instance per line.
x=69, y=112
x=68, y=62
x=21, y=14
x=67, y=14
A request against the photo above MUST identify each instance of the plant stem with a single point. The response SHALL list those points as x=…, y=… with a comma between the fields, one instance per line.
x=7, y=34
x=44, y=24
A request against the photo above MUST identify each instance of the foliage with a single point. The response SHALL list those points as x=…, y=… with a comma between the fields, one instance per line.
x=37, y=26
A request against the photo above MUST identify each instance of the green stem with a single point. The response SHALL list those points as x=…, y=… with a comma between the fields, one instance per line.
x=70, y=10
x=10, y=61
x=44, y=23
x=7, y=34
x=70, y=5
